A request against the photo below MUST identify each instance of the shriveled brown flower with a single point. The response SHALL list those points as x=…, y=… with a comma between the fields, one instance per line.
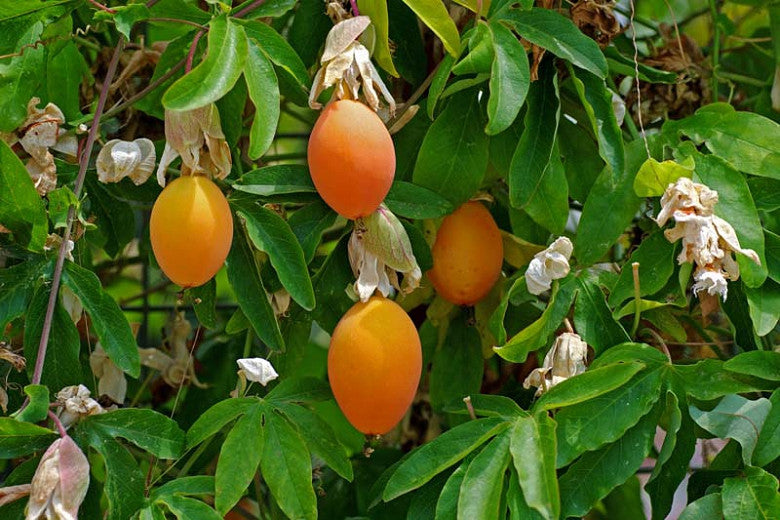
x=596, y=19
x=175, y=364
x=566, y=358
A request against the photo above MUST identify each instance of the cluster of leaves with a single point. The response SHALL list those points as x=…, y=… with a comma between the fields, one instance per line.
x=555, y=160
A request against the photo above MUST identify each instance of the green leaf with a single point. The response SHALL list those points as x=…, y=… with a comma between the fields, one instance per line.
x=300, y=390
x=457, y=174
x=319, y=437
x=653, y=177
x=707, y=380
x=764, y=306
x=748, y=141
x=147, y=429
x=488, y=405
x=708, y=506
x=759, y=363
x=66, y=69
x=21, y=76
x=114, y=218
x=735, y=418
x=172, y=56
x=308, y=31
x=19, y=438
x=518, y=508
x=217, y=417
x=435, y=15
x=754, y=496
x=330, y=284
x=194, y=485
x=439, y=454
x=480, y=55
x=21, y=208
x=416, y=202
x=655, y=256
x=203, y=302
x=610, y=206
x=215, y=75
x=250, y=292
x=480, y=492
x=596, y=99
x=596, y=473
x=735, y=205
x=309, y=223
x=737, y=309
x=768, y=445
x=268, y=9
x=61, y=365
x=593, y=320
x=589, y=384
x=510, y=79
x=239, y=458
x=38, y=408
x=271, y=234
x=377, y=11
x=457, y=366
x=127, y=16
x=286, y=468
x=264, y=93
x=625, y=65
x=185, y=508
x=438, y=82
x=591, y=424
x=279, y=179
x=124, y=484
x=108, y=322
x=536, y=335
x=556, y=33
x=17, y=286
x=533, y=451
x=447, y=504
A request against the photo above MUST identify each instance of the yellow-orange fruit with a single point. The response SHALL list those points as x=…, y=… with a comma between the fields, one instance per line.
x=191, y=230
x=467, y=255
x=351, y=158
x=374, y=364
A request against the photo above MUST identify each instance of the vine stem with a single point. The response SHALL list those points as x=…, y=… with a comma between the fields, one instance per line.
x=58, y=423
x=193, y=48
x=715, y=50
x=83, y=163
x=101, y=6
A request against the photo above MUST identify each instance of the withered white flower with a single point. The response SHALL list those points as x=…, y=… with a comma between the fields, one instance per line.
x=708, y=241
x=76, y=403
x=60, y=483
x=280, y=301
x=119, y=159
x=71, y=303
x=53, y=243
x=548, y=265
x=176, y=368
x=379, y=248
x=566, y=358
x=258, y=370
x=346, y=63
x=186, y=133
x=111, y=379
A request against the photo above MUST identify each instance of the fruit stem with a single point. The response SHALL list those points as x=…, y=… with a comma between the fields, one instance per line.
x=470, y=407
x=58, y=423
x=193, y=48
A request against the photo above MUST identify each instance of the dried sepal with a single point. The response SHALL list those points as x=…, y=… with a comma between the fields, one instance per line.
x=566, y=358
x=379, y=248
x=10, y=494
x=548, y=265
x=257, y=370
x=60, y=483
x=119, y=159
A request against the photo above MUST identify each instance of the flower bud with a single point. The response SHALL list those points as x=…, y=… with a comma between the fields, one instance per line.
x=60, y=483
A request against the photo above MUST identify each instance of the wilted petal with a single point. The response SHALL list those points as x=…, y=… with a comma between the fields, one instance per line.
x=111, y=379
x=726, y=233
x=43, y=174
x=711, y=281
x=258, y=370
x=342, y=35
x=60, y=483
x=566, y=358
x=548, y=265
x=71, y=303
x=168, y=156
x=119, y=159
x=154, y=358
x=619, y=107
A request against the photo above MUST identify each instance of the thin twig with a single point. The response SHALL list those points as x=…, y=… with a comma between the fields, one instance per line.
x=246, y=10
x=176, y=20
x=58, y=423
x=193, y=48
x=151, y=86
x=636, y=71
x=414, y=97
x=661, y=343
x=355, y=10
x=101, y=6
x=715, y=50
x=470, y=407
x=83, y=163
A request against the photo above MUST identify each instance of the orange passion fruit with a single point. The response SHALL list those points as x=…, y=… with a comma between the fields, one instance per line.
x=351, y=158
x=467, y=255
x=191, y=230
x=374, y=364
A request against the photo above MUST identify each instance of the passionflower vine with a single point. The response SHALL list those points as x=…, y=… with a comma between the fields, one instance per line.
x=379, y=248
x=548, y=265
x=708, y=241
x=566, y=358
x=60, y=483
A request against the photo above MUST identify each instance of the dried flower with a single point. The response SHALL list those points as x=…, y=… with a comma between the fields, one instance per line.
x=258, y=370
x=565, y=359
x=280, y=301
x=60, y=483
x=176, y=368
x=378, y=248
x=119, y=159
x=186, y=133
x=111, y=379
x=548, y=265
x=708, y=240
x=76, y=403
x=346, y=63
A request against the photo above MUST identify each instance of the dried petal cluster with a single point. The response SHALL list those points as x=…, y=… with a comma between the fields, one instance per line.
x=258, y=370
x=565, y=359
x=708, y=241
x=176, y=367
x=111, y=379
x=187, y=133
x=76, y=402
x=379, y=248
x=119, y=159
x=548, y=265
x=60, y=483
x=346, y=63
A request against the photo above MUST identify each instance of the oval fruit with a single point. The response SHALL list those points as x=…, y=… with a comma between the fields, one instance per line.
x=191, y=230
x=467, y=255
x=374, y=364
x=351, y=158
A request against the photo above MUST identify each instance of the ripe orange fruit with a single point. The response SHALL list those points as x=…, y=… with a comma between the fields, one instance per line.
x=374, y=364
x=467, y=255
x=351, y=158
x=191, y=230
